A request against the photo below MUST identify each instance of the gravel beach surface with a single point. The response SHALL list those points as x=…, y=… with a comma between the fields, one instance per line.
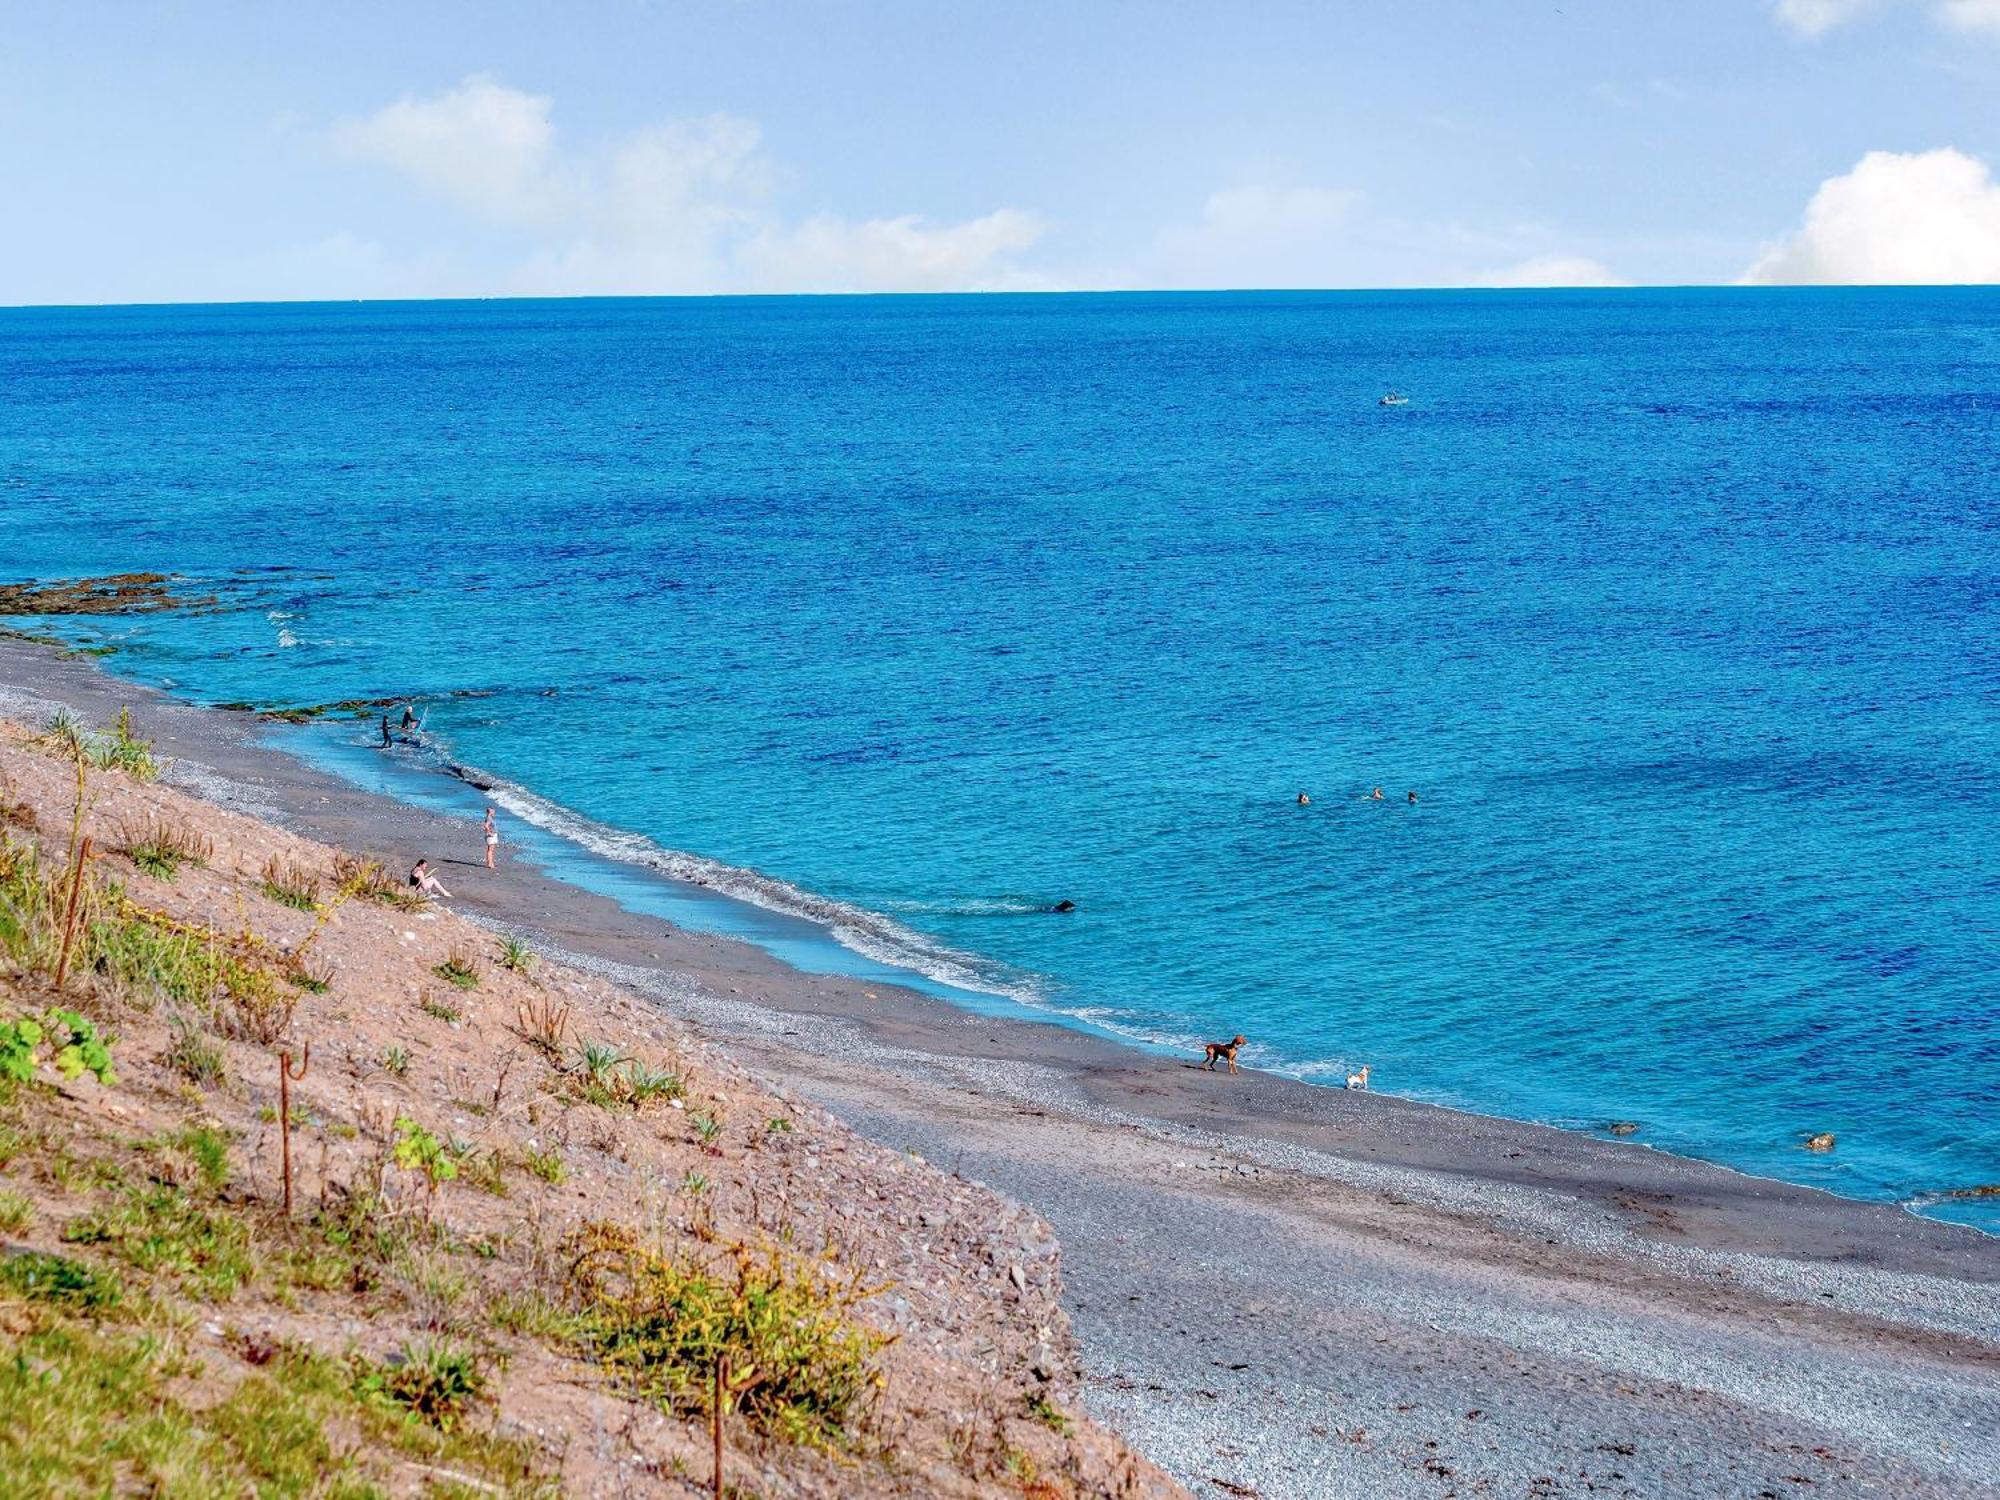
x=1290, y=1291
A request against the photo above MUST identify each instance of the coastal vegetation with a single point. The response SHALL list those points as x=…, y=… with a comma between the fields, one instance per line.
x=397, y=1273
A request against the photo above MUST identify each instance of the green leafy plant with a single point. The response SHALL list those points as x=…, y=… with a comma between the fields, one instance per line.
x=516, y=955
x=397, y=1060
x=78, y=1047
x=444, y=1010
x=417, y=1150
x=546, y=1165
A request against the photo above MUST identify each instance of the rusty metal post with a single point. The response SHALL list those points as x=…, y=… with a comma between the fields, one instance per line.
x=69, y=915
x=285, y=1079
x=715, y=1417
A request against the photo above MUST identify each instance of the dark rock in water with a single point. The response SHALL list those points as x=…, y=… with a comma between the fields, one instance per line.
x=1623, y=1127
x=1985, y=1190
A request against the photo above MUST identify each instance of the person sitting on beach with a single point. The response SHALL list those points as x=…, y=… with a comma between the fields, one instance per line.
x=426, y=882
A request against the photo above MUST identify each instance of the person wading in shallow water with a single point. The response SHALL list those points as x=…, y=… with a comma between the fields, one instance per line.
x=493, y=837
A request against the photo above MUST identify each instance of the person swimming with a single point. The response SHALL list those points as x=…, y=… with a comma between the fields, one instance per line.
x=1304, y=800
x=1376, y=795
x=1064, y=905
x=1413, y=797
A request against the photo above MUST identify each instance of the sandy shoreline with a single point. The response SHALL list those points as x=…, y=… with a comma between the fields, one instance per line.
x=1294, y=1290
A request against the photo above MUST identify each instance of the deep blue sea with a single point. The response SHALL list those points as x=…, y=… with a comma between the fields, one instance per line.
x=1678, y=610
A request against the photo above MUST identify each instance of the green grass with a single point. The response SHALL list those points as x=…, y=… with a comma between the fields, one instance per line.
x=444, y=1010
x=194, y=1055
x=516, y=955
x=158, y=1227
x=41, y=1277
x=432, y=1382
x=203, y=1147
x=546, y=1165
x=119, y=749
x=302, y=973
x=94, y=1411
x=16, y=1212
x=162, y=845
x=460, y=967
x=292, y=883
x=397, y=1060
x=1046, y=1412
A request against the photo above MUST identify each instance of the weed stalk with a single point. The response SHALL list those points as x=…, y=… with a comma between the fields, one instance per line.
x=78, y=860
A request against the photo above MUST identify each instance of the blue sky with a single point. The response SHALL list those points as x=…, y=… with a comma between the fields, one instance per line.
x=197, y=151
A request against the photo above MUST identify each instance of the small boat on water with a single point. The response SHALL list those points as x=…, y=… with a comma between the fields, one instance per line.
x=1394, y=398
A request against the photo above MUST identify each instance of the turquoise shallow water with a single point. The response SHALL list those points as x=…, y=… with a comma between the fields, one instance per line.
x=1677, y=609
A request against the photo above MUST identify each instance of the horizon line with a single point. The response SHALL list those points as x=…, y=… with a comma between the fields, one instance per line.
x=1242, y=291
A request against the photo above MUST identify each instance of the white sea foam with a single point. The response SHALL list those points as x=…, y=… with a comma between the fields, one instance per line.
x=868, y=933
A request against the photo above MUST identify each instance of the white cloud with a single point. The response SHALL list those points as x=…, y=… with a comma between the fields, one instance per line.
x=1259, y=235
x=1925, y=218
x=881, y=255
x=1817, y=17
x=1552, y=270
x=482, y=147
x=1814, y=18
x=681, y=206
x=1977, y=16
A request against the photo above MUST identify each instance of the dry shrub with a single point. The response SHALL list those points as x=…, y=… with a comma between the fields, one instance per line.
x=161, y=845
x=543, y=1023
x=292, y=883
x=370, y=879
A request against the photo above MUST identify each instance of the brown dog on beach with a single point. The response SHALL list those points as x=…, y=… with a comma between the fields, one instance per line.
x=1224, y=1050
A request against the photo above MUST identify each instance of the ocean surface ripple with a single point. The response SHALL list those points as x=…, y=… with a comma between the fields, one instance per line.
x=1676, y=610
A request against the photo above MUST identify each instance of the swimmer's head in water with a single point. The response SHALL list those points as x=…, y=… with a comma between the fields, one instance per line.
x=1064, y=905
